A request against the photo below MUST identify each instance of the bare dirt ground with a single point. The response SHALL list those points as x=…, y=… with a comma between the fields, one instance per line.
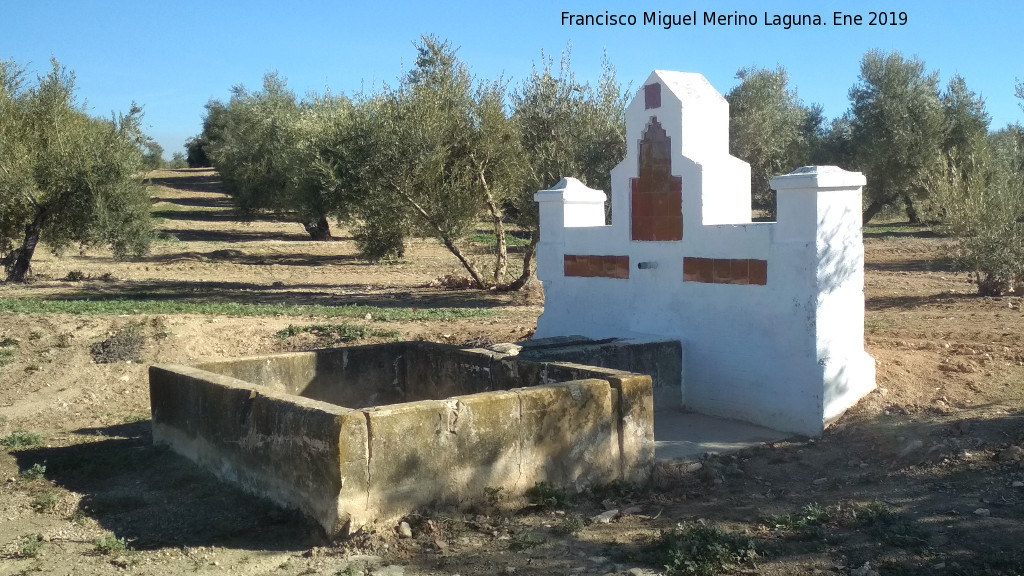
x=923, y=476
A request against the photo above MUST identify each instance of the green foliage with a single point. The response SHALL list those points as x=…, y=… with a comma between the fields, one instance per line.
x=268, y=148
x=166, y=306
x=178, y=161
x=547, y=496
x=986, y=216
x=19, y=439
x=45, y=501
x=152, y=154
x=699, y=550
x=443, y=155
x=7, y=346
x=566, y=128
x=66, y=177
x=30, y=546
x=36, y=472
x=896, y=130
x=332, y=333
x=523, y=541
x=770, y=128
x=572, y=524
x=110, y=546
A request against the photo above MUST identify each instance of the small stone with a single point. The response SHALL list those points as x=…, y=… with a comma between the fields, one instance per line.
x=911, y=447
x=392, y=570
x=1018, y=484
x=1011, y=454
x=605, y=517
x=510, y=570
x=368, y=316
x=505, y=348
x=693, y=467
x=819, y=481
x=864, y=570
x=939, y=566
x=982, y=512
x=404, y=530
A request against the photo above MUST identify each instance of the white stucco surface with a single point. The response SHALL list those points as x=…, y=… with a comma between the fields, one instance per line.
x=787, y=354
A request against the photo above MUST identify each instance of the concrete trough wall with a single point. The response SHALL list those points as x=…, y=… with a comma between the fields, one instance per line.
x=370, y=433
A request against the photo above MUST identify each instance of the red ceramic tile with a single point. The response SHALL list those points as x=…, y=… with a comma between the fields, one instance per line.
x=758, y=272
x=690, y=273
x=723, y=271
x=740, y=270
x=652, y=96
x=616, y=267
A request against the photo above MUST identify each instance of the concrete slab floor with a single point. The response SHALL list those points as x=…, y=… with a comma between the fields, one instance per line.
x=685, y=436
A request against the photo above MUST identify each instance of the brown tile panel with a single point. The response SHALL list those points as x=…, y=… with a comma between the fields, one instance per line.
x=652, y=96
x=656, y=196
x=596, y=266
x=725, y=271
x=759, y=272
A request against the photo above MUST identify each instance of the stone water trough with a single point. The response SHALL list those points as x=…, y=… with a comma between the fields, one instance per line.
x=368, y=434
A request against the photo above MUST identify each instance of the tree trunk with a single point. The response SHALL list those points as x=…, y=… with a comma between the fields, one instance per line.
x=873, y=209
x=449, y=243
x=501, y=259
x=527, y=276
x=318, y=229
x=23, y=256
x=912, y=216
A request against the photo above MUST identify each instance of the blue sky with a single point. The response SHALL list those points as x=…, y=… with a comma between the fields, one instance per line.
x=172, y=57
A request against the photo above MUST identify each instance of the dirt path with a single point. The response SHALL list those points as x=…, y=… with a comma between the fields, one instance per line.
x=925, y=475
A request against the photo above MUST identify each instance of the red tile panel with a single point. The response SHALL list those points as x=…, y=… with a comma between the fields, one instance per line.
x=740, y=271
x=759, y=272
x=725, y=271
x=652, y=96
x=656, y=196
x=596, y=266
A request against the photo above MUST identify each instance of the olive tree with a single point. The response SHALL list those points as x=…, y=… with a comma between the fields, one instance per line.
x=770, y=128
x=983, y=189
x=444, y=155
x=64, y=176
x=265, y=148
x=896, y=130
x=566, y=128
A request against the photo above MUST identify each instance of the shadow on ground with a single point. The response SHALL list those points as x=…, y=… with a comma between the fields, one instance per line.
x=154, y=498
x=305, y=294
x=199, y=182
x=911, y=302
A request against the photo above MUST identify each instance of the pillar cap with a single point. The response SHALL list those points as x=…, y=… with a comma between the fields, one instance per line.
x=817, y=177
x=570, y=189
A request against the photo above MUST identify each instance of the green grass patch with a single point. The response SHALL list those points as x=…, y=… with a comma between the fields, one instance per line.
x=699, y=550
x=114, y=307
x=36, y=472
x=30, y=546
x=7, y=346
x=337, y=332
x=547, y=496
x=20, y=439
x=45, y=501
x=110, y=546
x=491, y=240
x=876, y=519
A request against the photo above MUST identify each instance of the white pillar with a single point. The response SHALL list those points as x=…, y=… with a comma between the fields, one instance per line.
x=568, y=204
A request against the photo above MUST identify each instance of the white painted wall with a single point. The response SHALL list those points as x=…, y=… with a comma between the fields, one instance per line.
x=788, y=354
